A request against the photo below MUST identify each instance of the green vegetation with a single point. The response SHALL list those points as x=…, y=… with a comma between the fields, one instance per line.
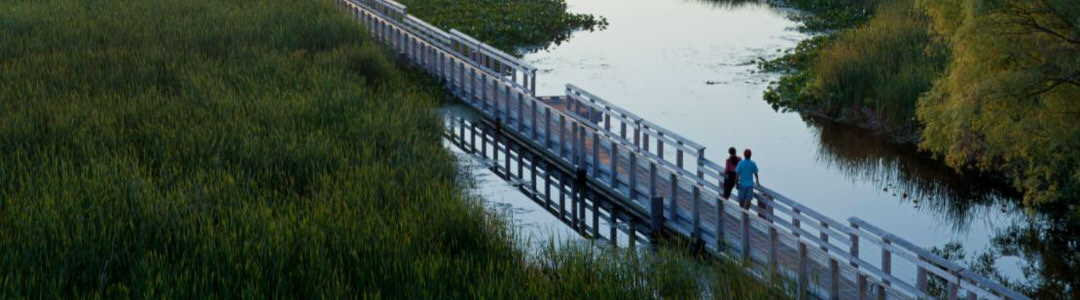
x=1008, y=102
x=986, y=85
x=253, y=149
x=506, y=24
x=868, y=74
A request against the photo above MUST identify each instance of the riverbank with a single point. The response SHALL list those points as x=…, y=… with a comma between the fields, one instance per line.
x=257, y=149
x=508, y=25
x=923, y=74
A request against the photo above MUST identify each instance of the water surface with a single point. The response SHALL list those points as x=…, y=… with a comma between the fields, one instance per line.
x=690, y=67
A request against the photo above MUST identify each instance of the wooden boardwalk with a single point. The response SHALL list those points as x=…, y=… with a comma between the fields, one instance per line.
x=656, y=179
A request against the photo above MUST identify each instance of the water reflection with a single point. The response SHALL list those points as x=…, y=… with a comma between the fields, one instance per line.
x=1049, y=252
x=730, y=4
x=910, y=176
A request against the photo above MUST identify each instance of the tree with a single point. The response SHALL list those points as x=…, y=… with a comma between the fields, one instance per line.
x=1010, y=99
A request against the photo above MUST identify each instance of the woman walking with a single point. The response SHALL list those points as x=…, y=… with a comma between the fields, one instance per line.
x=729, y=172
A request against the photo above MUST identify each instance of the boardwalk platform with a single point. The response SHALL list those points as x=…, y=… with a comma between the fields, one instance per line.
x=626, y=169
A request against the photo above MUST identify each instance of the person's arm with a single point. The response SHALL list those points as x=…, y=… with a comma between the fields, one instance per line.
x=757, y=179
x=737, y=171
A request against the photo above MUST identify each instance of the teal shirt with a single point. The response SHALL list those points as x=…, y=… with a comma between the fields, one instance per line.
x=746, y=169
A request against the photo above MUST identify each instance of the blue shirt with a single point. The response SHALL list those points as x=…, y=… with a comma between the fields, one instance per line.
x=746, y=169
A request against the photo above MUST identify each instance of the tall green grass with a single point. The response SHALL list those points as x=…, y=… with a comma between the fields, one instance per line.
x=871, y=74
x=881, y=67
x=216, y=148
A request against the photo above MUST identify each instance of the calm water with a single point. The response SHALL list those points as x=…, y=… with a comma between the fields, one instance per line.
x=689, y=66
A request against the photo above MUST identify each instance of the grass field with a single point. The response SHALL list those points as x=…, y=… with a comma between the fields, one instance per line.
x=250, y=149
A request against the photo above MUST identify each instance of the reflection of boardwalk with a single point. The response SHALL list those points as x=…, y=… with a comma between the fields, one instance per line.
x=652, y=175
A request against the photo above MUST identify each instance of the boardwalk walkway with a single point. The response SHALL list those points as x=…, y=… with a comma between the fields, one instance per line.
x=660, y=176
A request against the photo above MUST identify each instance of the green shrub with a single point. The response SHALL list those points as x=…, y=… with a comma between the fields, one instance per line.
x=880, y=68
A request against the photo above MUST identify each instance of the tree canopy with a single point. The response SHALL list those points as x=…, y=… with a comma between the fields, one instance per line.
x=1010, y=99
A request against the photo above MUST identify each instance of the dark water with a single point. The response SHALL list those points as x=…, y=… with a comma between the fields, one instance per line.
x=689, y=66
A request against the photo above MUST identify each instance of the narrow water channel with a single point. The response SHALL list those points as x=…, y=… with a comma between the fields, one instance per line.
x=689, y=66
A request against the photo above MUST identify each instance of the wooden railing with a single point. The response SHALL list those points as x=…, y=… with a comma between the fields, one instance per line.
x=656, y=172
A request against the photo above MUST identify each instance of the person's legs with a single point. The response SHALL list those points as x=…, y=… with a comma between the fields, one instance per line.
x=745, y=195
x=729, y=184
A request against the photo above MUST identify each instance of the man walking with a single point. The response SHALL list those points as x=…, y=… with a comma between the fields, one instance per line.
x=747, y=173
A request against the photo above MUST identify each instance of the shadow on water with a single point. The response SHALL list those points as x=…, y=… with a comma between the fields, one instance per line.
x=910, y=176
x=1045, y=249
x=562, y=192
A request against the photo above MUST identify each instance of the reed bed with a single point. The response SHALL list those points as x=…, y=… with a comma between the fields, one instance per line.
x=215, y=148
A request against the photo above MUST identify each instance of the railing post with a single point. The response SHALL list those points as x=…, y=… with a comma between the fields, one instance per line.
x=824, y=236
x=697, y=210
x=701, y=166
x=679, y=158
x=921, y=276
x=575, y=130
x=746, y=236
x=834, y=276
x=622, y=129
x=774, y=262
x=861, y=284
x=795, y=221
x=652, y=181
x=534, y=128
x=954, y=288
x=854, y=244
x=804, y=277
x=532, y=84
x=645, y=141
x=660, y=147
x=633, y=176
x=637, y=134
x=596, y=153
x=561, y=136
x=656, y=211
x=452, y=82
x=614, y=171
x=580, y=153
x=520, y=110
x=886, y=259
x=721, y=211
x=547, y=127
x=673, y=184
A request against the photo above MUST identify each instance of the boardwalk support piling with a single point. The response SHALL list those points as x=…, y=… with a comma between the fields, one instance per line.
x=656, y=214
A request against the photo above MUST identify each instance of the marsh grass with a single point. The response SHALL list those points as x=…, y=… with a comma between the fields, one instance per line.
x=869, y=73
x=249, y=149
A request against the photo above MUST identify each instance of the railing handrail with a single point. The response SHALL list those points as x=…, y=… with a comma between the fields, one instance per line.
x=830, y=230
x=517, y=63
